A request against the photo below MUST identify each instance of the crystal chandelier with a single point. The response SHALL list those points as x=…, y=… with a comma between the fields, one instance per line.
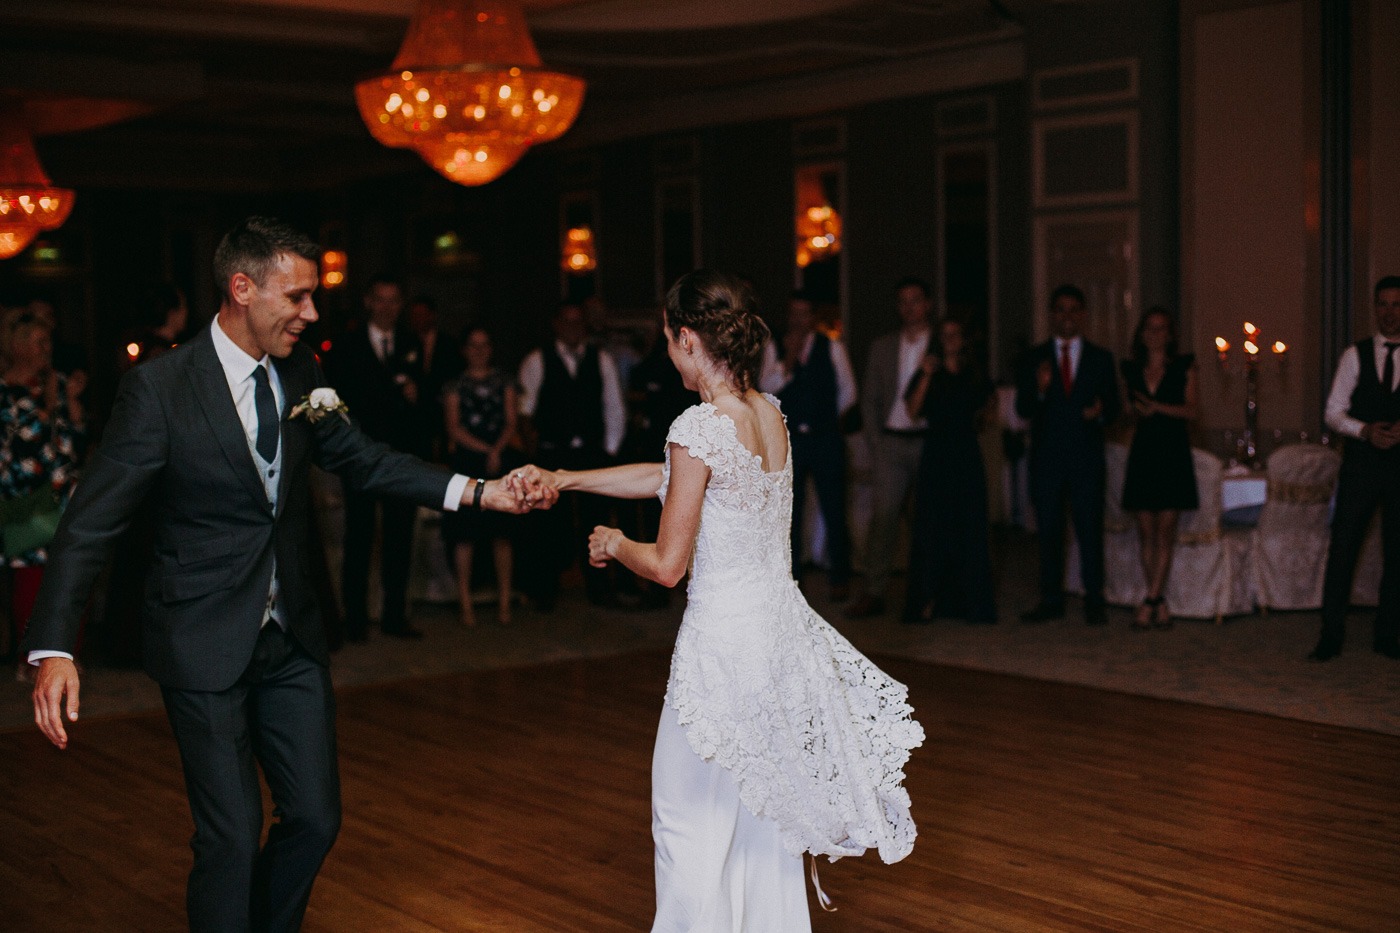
x=467, y=91
x=29, y=203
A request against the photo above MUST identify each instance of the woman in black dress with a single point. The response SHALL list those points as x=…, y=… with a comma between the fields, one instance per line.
x=1160, y=482
x=950, y=561
x=479, y=414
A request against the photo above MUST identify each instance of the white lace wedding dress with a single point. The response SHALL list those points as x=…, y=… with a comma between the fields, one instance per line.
x=778, y=737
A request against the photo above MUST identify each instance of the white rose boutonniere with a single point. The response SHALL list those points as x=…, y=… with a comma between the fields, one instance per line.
x=319, y=404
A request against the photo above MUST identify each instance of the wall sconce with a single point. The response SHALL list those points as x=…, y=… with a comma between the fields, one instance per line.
x=333, y=268
x=580, y=252
x=1253, y=352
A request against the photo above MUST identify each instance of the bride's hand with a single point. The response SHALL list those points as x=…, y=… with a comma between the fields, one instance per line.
x=538, y=488
x=601, y=544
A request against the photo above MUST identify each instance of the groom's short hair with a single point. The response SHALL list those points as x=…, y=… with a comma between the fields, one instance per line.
x=252, y=247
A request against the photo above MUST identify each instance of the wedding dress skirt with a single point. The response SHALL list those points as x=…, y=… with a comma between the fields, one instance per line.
x=778, y=737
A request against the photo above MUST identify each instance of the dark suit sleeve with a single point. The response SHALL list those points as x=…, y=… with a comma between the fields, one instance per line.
x=119, y=475
x=371, y=466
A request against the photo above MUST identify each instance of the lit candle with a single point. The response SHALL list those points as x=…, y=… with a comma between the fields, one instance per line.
x=1280, y=347
x=1222, y=345
x=1251, y=348
x=1249, y=329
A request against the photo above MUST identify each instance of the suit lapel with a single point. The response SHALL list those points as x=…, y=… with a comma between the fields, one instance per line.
x=211, y=388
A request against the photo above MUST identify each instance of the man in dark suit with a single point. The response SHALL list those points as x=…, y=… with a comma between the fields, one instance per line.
x=377, y=369
x=1364, y=406
x=214, y=440
x=1067, y=389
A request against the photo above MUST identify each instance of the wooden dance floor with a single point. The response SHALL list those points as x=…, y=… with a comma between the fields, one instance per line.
x=517, y=801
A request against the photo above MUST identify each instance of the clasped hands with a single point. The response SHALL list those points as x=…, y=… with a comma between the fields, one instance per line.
x=1382, y=434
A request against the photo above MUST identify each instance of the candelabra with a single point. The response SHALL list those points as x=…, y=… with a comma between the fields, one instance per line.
x=1252, y=347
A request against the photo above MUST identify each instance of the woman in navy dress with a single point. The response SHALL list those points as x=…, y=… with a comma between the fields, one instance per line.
x=950, y=562
x=479, y=413
x=1160, y=482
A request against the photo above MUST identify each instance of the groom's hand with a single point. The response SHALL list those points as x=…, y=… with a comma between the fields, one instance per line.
x=57, y=678
x=539, y=487
x=501, y=495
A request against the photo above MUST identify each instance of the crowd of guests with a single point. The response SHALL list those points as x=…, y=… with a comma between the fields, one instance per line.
x=572, y=404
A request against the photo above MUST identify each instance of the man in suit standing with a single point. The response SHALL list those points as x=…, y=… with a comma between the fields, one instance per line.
x=1364, y=405
x=378, y=370
x=1067, y=388
x=895, y=440
x=214, y=440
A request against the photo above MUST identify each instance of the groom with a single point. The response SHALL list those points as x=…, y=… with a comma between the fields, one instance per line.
x=211, y=439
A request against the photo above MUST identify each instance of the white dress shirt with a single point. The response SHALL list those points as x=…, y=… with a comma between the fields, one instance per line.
x=1344, y=384
x=381, y=341
x=911, y=353
x=773, y=377
x=614, y=411
x=1076, y=349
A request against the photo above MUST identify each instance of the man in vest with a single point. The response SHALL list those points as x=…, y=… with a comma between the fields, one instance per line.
x=816, y=386
x=1364, y=404
x=571, y=392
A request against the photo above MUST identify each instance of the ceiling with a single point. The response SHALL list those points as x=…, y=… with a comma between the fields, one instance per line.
x=257, y=94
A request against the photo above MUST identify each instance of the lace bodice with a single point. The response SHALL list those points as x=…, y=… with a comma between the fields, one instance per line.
x=815, y=735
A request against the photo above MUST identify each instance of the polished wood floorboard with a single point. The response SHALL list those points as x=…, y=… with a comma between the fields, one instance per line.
x=517, y=801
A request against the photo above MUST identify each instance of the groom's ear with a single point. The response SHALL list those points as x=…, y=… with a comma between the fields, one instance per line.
x=241, y=288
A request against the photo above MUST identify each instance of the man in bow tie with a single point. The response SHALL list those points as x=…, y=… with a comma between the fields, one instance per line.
x=1364, y=405
x=202, y=438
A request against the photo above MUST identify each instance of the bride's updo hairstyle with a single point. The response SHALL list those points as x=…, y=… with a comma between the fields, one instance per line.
x=721, y=310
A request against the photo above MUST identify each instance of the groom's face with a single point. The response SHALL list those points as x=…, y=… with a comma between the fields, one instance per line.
x=280, y=308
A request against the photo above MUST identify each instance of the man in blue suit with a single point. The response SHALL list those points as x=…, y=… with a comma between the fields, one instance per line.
x=1067, y=388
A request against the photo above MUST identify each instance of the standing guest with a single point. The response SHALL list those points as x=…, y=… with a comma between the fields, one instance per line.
x=441, y=362
x=68, y=357
x=1067, y=389
x=204, y=438
x=656, y=395
x=895, y=439
x=1364, y=405
x=950, y=561
x=41, y=433
x=163, y=318
x=1160, y=482
x=480, y=408
x=376, y=369
x=814, y=382
x=571, y=392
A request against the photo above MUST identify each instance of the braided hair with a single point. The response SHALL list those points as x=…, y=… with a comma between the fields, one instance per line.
x=721, y=310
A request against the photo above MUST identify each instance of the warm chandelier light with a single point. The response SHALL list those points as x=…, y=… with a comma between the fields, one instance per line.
x=468, y=92
x=29, y=203
x=818, y=234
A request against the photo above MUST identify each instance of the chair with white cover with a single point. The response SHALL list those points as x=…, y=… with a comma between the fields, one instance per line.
x=1124, y=584
x=1210, y=576
x=1289, y=545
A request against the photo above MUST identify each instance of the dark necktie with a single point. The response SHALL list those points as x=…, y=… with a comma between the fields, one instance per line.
x=1066, y=369
x=1388, y=380
x=267, y=414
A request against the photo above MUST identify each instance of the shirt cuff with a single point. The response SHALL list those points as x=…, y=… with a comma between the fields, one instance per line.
x=452, y=499
x=36, y=656
x=1345, y=424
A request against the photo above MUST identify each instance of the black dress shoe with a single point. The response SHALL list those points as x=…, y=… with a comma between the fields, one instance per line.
x=1326, y=650
x=1043, y=613
x=1388, y=649
x=1095, y=614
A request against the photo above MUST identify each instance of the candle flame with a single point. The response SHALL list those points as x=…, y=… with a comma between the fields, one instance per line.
x=1222, y=344
x=1250, y=329
x=1280, y=347
x=1251, y=347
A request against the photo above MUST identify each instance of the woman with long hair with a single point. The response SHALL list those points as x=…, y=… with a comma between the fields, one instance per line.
x=950, y=562
x=1160, y=482
x=777, y=737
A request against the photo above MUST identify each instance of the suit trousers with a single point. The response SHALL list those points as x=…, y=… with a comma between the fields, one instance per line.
x=1078, y=482
x=895, y=464
x=822, y=456
x=1368, y=479
x=280, y=715
x=395, y=556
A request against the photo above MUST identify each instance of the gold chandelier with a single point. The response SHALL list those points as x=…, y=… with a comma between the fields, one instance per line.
x=467, y=91
x=29, y=203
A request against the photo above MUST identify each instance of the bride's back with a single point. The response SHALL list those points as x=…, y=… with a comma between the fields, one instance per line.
x=759, y=427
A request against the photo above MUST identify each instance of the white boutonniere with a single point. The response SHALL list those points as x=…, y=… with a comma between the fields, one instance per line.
x=319, y=404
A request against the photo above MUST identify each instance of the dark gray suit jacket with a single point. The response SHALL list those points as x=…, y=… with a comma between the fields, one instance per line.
x=176, y=446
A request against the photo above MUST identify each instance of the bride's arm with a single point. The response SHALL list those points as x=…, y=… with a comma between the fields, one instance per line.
x=628, y=481
x=667, y=560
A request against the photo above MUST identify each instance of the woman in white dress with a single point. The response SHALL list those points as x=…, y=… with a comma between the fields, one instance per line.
x=777, y=737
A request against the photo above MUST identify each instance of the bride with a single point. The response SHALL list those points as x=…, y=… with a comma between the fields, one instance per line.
x=777, y=737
